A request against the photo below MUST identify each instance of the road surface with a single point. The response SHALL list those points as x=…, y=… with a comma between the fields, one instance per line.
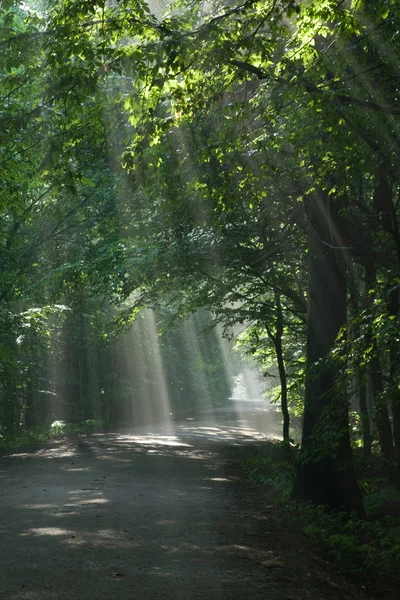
x=151, y=514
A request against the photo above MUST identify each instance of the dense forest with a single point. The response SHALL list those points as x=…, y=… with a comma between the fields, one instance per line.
x=173, y=171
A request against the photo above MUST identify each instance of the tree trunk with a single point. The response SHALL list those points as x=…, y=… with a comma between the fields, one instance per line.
x=10, y=410
x=364, y=414
x=325, y=474
x=384, y=205
x=381, y=414
x=382, y=420
x=396, y=430
x=281, y=367
x=30, y=408
x=394, y=310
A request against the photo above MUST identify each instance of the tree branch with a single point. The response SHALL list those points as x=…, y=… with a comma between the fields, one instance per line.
x=311, y=88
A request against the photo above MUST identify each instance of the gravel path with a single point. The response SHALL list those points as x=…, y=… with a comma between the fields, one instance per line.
x=141, y=516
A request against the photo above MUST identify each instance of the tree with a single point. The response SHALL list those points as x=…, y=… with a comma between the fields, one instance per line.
x=290, y=114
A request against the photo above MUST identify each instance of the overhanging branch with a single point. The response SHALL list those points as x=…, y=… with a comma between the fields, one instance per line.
x=311, y=88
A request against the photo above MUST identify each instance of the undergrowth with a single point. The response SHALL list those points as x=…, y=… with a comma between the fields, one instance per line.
x=36, y=436
x=360, y=546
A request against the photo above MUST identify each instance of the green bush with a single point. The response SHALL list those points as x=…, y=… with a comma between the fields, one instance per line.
x=358, y=545
x=40, y=435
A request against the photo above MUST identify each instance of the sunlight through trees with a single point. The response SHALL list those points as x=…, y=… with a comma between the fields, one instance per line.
x=170, y=168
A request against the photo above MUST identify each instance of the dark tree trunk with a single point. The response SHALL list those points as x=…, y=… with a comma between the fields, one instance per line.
x=381, y=414
x=394, y=310
x=74, y=400
x=10, y=411
x=384, y=205
x=385, y=208
x=382, y=420
x=396, y=430
x=284, y=394
x=325, y=474
x=30, y=404
x=364, y=414
x=281, y=367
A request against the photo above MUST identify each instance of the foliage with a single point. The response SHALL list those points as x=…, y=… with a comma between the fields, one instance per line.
x=359, y=546
x=45, y=433
x=240, y=159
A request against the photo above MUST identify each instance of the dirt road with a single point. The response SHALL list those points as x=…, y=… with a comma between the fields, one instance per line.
x=145, y=516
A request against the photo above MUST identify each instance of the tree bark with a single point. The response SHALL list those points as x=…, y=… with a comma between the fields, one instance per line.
x=30, y=408
x=382, y=420
x=364, y=414
x=381, y=414
x=325, y=474
x=394, y=311
x=383, y=202
x=281, y=367
x=10, y=410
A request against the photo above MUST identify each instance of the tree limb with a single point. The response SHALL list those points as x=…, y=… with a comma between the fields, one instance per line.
x=311, y=88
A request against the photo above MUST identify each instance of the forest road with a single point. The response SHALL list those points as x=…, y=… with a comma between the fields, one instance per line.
x=140, y=516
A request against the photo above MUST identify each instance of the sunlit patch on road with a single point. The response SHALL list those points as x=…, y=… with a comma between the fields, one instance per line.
x=152, y=439
x=47, y=531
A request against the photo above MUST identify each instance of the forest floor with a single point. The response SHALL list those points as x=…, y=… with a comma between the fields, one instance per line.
x=143, y=516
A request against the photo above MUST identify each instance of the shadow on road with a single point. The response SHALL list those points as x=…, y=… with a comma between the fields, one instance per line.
x=148, y=513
